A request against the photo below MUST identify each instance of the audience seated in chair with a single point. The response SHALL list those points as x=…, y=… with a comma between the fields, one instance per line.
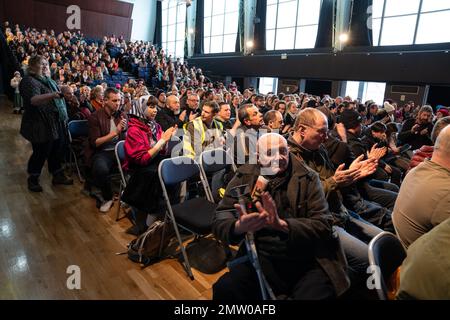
x=354, y=229
x=244, y=143
x=290, y=218
x=424, y=198
x=426, y=152
x=424, y=273
x=203, y=132
x=145, y=147
x=417, y=132
x=353, y=124
x=170, y=115
x=106, y=127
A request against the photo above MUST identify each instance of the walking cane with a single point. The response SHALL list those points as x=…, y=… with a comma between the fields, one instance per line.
x=252, y=255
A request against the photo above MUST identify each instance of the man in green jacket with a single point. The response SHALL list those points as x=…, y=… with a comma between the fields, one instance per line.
x=203, y=131
x=425, y=273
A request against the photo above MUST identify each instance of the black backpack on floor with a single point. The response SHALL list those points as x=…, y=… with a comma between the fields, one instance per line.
x=145, y=248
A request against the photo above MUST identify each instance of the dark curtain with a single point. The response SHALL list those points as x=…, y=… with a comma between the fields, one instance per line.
x=186, y=32
x=240, y=33
x=325, y=29
x=260, y=25
x=199, y=16
x=360, y=34
x=2, y=86
x=157, y=39
x=8, y=65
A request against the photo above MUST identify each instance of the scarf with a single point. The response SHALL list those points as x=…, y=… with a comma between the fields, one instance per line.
x=59, y=102
x=138, y=111
x=152, y=125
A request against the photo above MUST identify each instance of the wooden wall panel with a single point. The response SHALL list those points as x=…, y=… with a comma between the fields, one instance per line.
x=98, y=18
x=45, y=12
x=2, y=12
x=19, y=11
x=98, y=24
x=114, y=8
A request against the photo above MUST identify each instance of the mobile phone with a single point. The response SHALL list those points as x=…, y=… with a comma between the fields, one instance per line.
x=381, y=144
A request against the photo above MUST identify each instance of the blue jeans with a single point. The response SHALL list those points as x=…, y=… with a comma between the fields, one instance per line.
x=354, y=239
x=380, y=192
x=102, y=164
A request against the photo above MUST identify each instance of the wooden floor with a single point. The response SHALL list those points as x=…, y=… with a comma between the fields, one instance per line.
x=42, y=234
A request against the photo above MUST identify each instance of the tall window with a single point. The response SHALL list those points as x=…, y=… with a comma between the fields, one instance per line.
x=366, y=91
x=292, y=24
x=173, y=27
x=220, y=25
x=407, y=22
x=267, y=85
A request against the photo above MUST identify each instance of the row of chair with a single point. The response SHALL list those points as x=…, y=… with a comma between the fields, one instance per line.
x=386, y=253
x=194, y=215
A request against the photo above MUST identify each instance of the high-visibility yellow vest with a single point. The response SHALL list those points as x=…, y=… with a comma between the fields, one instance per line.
x=199, y=133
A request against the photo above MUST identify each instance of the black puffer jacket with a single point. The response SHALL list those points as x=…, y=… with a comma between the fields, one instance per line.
x=301, y=203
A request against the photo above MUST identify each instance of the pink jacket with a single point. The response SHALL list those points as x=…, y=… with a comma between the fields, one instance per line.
x=138, y=142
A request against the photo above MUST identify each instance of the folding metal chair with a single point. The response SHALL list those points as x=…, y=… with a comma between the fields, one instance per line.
x=212, y=162
x=194, y=215
x=386, y=254
x=120, y=158
x=175, y=146
x=76, y=129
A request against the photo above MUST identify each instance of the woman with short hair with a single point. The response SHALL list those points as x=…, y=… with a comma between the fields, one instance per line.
x=43, y=123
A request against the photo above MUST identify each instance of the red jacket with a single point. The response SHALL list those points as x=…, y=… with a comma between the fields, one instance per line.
x=137, y=143
x=425, y=152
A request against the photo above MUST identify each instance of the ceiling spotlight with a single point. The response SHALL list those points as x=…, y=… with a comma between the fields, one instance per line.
x=190, y=31
x=343, y=37
x=249, y=44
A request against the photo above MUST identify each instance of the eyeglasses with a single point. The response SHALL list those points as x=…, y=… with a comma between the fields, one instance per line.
x=321, y=131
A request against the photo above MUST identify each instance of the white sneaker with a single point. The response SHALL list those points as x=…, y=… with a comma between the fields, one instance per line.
x=106, y=206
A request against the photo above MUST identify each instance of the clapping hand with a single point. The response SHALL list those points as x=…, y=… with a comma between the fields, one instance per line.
x=365, y=167
x=424, y=132
x=343, y=177
x=249, y=222
x=376, y=153
x=192, y=116
x=269, y=207
x=169, y=133
x=182, y=115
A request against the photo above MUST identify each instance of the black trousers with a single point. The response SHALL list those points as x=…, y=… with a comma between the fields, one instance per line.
x=47, y=151
x=102, y=164
x=291, y=281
